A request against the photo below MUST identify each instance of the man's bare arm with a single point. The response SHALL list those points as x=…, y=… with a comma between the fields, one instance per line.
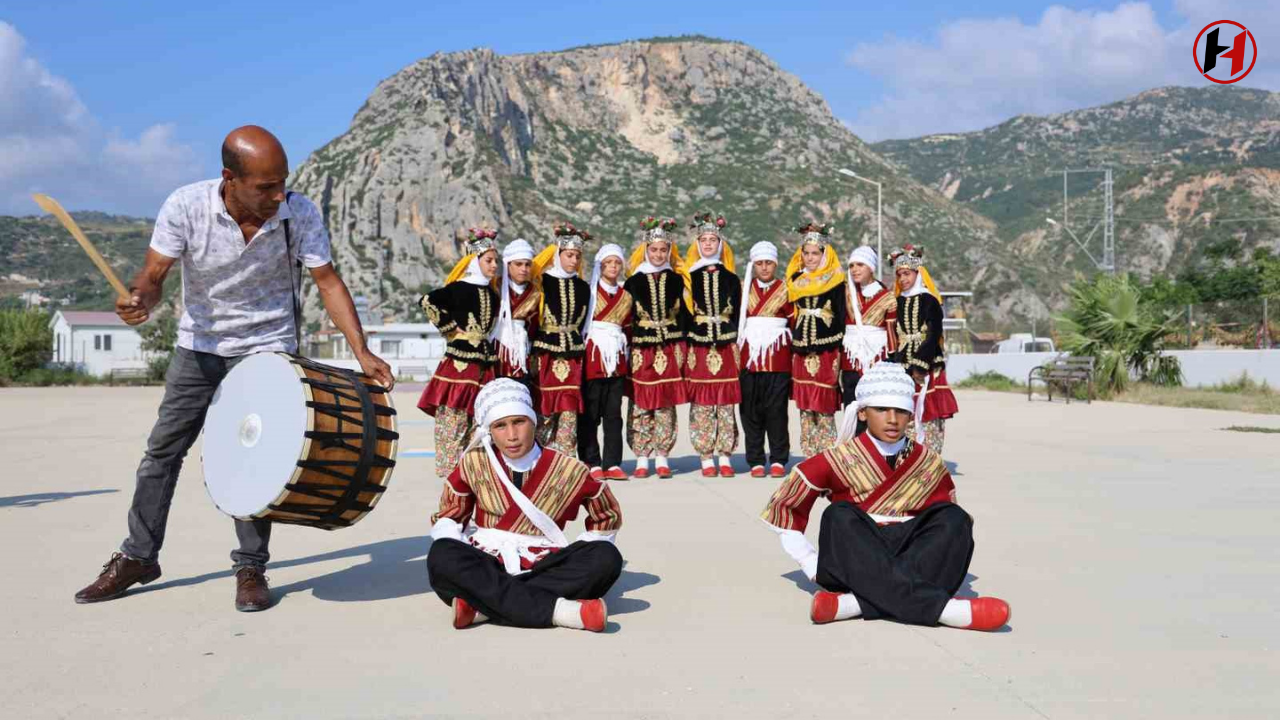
x=146, y=288
x=337, y=302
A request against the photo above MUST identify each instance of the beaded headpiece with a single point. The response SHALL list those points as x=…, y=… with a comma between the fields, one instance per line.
x=569, y=237
x=708, y=224
x=657, y=228
x=815, y=234
x=481, y=240
x=909, y=256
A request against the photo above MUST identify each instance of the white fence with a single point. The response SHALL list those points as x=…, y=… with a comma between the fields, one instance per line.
x=1199, y=367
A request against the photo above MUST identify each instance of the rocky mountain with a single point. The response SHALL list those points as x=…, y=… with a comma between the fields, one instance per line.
x=1191, y=166
x=602, y=136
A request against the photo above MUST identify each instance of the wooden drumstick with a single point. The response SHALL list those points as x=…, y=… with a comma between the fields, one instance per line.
x=52, y=207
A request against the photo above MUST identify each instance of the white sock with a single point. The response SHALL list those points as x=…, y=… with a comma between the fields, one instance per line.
x=957, y=613
x=597, y=468
x=708, y=463
x=724, y=461
x=660, y=461
x=568, y=614
x=642, y=463
x=848, y=608
x=480, y=618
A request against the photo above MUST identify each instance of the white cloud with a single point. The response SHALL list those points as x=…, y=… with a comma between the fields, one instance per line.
x=50, y=142
x=980, y=72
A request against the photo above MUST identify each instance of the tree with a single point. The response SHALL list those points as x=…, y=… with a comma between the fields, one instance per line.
x=26, y=342
x=1109, y=320
x=159, y=337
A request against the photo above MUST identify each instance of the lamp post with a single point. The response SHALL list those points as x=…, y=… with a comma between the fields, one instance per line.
x=879, y=217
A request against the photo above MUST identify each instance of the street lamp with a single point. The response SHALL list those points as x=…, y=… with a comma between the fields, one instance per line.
x=879, y=217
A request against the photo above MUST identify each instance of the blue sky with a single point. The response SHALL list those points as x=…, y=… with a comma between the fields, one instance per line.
x=112, y=107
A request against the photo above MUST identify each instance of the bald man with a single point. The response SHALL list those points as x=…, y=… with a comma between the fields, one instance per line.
x=242, y=240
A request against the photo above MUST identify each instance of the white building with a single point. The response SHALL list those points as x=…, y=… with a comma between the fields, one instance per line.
x=412, y=349
x=96, y=342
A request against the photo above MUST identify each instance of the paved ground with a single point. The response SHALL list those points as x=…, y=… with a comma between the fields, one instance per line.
x=1136, y=545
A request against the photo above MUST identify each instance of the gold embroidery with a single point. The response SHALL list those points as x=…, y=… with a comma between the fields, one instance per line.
x=660, y=361
x=812, y=364
x=560, y=369
x=637, y=359
x=714, y=361
x=679, y=356
x=459, y=365
x=693, y=359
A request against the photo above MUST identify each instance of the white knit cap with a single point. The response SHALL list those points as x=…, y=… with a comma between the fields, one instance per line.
x=518, y=249
x=499, y=399
x=764, y=250
x=865, y=255
x=886, y=385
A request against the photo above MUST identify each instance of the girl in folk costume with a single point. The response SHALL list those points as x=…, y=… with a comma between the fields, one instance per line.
x=657, y=347
x=463, y=311
x=608, y=318
x=869, y=334
x=920, y=342
x=714, y=301
x=815, y=285
x=518, y=314
x=764, y=335
x=558, y=346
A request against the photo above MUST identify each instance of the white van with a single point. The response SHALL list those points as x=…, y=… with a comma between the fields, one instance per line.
x=1024, y=343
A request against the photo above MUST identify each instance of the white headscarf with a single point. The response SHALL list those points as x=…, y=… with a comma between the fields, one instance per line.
x=647, y=267
x=607, y=338
x=702, y=261
x=917, y=287
x=512, y=339
x=763, y=250
x=474, y=274
x=555, y=270
x=765, y=335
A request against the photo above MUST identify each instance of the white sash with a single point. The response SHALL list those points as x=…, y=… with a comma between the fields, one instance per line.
x=513, y=343
x=919, y=414
x=609, y=341
x=764, y=335
x=862, y=344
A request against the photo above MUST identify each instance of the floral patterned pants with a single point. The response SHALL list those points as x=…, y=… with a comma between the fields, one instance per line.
x=453, y=432
x=713, y=430
x=651, y=432
x=817, y=432
x=560, y=432
x=935, y=432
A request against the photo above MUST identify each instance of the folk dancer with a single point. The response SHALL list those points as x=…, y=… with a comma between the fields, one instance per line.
x=893, y=544
x=869, y=334
x=463, y=311
x=920, y=342
x=815, y=286
x=657, y=346
x=608, y=319
x=499, y=551
x=242, y=241
x=714, y=302
x=558, y=347
x=764, y=336
x=517, y=314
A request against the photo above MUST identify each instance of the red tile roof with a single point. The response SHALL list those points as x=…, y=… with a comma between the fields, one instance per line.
x=86, y=317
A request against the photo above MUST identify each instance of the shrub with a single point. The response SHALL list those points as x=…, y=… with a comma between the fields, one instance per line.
x=26, y=342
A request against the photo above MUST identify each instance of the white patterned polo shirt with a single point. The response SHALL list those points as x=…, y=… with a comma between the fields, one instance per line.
x=238, y=297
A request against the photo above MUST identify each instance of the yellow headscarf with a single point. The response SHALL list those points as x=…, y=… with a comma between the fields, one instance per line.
x=638, y=257
x=810, y=284
x=925, y=278
x=460, y=270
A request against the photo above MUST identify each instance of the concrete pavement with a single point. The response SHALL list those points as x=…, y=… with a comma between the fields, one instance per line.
x=1136, y=544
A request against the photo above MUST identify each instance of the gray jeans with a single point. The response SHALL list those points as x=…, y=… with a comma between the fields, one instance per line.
x=188, y=390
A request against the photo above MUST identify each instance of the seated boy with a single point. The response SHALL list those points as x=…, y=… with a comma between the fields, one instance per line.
x=511, y=562
x=893, y=544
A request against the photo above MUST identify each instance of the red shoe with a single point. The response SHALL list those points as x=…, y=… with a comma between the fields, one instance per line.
x=463, y=614
x=663, y=472
x=776, y=470
x=989, y=613
x=824, y=608
x=708, y=472
x=596, y=473
x=726, y=471
x=641, y=472
x=615, y=473
x=757, y=471
x=594, y=615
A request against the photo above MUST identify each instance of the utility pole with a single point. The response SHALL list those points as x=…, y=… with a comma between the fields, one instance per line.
x=879, y=218
x=1107, y=263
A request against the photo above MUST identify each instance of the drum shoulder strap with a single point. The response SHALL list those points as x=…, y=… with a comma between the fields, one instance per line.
x=293, y=265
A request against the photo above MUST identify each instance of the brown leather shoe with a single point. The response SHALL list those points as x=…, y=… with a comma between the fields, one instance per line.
x=116, y=577
x=252, y=592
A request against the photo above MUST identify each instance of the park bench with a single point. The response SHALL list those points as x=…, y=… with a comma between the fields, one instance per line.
x=1064, y=371
x=127, y=374
x=413, y=372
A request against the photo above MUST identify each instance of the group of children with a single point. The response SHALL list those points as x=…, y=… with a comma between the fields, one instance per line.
x=537, y=364
x=666, y=330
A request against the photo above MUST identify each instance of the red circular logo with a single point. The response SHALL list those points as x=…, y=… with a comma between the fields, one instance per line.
x=1220, y=53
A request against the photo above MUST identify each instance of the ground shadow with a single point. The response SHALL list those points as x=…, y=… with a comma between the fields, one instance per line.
x=396, y=568
x=802, y=582
x=954, y=468
x=42, y=498
x=628, y=581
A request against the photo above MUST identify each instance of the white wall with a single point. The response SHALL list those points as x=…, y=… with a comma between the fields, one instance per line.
x=76, y=346
x=1199, y=367
x=415, y=366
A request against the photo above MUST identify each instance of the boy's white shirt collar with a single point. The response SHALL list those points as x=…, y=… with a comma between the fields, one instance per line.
x=886, y=449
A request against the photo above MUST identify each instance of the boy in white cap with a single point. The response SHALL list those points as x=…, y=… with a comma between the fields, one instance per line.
x=499, y=551
x=764, y=335
x=869, y=335
x=893, y=544
x=608, y=319
x=518, y=312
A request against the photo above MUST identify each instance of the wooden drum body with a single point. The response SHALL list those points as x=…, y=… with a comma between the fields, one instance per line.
x=293, y=441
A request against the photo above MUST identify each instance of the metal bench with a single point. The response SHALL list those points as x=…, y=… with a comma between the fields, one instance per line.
x=127, y=374
x=413, y=371
x=1064, y=371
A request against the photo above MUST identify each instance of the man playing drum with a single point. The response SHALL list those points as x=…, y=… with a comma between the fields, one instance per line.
x=238, y=238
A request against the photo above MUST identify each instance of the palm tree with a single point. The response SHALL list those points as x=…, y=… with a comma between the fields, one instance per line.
x=1108, y=321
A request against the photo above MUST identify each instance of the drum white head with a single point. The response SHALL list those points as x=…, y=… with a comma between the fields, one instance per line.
x=254, y=434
